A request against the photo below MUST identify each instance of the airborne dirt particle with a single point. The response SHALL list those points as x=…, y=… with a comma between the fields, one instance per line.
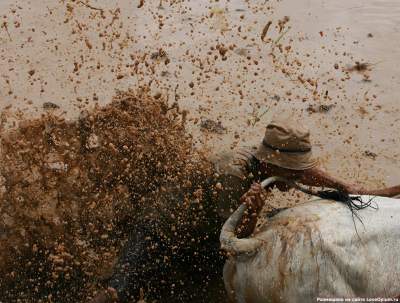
x=212, y=126
x=265, y=30
x=370, y=154
x=359, y=67
x=320, y=109
x=88, y=44
x=50, y=105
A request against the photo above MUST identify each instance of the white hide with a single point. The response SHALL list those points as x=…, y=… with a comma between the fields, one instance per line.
x=312, y=250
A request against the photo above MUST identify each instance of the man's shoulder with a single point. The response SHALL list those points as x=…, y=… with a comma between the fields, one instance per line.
x=233, y=162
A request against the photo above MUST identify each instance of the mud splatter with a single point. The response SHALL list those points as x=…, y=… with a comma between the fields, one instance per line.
x=70, y=190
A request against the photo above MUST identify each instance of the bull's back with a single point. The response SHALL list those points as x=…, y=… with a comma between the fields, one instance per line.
x=319, y=249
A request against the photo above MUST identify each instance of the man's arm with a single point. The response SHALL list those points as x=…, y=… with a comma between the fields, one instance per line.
x=384, y=192
x=317, y=177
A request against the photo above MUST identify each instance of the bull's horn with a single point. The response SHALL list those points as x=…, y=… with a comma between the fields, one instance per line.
x=229, y=241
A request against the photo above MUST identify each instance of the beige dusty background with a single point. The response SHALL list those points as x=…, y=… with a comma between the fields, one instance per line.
x=73, y=55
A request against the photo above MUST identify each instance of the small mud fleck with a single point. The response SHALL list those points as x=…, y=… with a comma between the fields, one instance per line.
x=212, y=126
x=359, y=67
x=50, y=105
x=370, y=154
x=320, y=108
x=265, y=30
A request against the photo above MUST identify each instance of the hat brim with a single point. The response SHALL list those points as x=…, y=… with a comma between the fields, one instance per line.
x=289, y=160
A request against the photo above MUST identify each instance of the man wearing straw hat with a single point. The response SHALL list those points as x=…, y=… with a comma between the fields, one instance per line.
x=286, y=151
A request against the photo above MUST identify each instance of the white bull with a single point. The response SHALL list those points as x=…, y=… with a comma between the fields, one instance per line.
x=314, y=251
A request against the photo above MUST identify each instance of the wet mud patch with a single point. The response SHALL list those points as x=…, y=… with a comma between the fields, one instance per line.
x=70, y=190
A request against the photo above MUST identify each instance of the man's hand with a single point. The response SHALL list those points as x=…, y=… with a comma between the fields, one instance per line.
x=254, y=198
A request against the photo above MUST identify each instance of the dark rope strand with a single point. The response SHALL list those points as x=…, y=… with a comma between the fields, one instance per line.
x=354, y=203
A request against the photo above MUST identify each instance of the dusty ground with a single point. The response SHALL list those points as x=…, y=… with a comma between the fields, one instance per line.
x=218, y=61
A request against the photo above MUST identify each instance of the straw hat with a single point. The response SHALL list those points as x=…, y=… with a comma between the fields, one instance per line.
x=286, y=144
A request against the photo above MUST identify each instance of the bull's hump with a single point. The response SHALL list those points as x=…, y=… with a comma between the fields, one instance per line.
x=329, y=217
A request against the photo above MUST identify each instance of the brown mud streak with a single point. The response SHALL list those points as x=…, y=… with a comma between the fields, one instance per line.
x=290, y=230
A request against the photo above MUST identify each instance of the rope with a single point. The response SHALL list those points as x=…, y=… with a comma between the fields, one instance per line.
x=354, y=203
